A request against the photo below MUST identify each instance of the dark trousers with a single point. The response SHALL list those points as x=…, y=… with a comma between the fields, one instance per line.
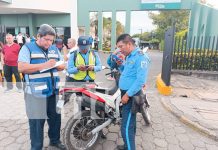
x=96, y=46
x=37, y=125
x=8, y=72
x=128, y=125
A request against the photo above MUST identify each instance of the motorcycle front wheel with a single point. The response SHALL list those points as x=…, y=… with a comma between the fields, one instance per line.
x=76, y=132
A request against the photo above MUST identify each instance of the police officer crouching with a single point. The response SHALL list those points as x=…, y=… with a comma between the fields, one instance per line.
x=41, y=88
x=132, y=79
x=83, y=63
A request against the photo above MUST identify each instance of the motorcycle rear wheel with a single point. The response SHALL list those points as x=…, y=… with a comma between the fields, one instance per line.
x=76, y=129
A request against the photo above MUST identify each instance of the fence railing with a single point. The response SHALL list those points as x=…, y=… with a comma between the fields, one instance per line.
x=197, y=53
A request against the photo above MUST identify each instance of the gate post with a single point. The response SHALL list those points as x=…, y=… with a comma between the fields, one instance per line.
x=163, y=80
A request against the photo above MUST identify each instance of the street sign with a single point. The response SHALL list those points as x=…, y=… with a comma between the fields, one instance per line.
x=160, y=4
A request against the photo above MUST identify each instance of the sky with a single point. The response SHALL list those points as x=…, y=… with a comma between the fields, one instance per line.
x=213, y=2
x=139, y=21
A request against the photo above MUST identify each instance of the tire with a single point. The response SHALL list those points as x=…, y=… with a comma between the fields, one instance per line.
x=146, y=116
x=75, y=129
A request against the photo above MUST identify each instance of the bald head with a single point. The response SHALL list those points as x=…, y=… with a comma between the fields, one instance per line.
x=71, y=42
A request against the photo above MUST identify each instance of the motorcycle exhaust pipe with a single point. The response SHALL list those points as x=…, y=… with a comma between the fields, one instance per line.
x=99, y=128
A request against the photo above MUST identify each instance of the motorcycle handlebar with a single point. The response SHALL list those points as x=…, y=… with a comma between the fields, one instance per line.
x=108, y=73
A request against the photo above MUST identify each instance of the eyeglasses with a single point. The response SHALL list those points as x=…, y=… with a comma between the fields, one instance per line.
x=48, y=40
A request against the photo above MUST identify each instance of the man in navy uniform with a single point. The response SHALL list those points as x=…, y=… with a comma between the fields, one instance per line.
x=132, y=80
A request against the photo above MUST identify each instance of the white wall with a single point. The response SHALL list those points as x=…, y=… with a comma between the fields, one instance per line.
x=43, y=7
x=53, y=5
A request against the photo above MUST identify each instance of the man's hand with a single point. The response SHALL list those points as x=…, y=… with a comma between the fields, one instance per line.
x=90, y=68
x=82, y=68
x=48, y=64
x=61, y=67
x=119, y=62
x=125, y=99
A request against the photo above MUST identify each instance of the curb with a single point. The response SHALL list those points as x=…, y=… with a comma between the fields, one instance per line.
x=162, y=88
x=190, y=123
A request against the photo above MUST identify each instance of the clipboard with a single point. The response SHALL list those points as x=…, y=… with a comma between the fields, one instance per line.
x=58, y=63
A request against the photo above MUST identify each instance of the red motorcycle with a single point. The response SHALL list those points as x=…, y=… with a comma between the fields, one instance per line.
x=98, y=108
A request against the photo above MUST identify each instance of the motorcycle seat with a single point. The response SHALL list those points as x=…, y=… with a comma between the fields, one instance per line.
x=110, y=91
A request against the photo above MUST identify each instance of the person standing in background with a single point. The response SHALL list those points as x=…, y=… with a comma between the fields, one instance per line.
x=70, y=48
x=20, y=39
x=27, y=39
x=10, y=56
x=1, y=67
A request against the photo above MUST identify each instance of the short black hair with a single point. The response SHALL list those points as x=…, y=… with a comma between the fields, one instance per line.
x=125, y=38
x=46, y=29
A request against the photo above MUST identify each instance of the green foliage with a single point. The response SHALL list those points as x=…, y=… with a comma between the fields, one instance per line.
x=182, y=33
x=154, y=41
x=166, y=19
x=119, y=28
x=145, y=36
x=162, y=45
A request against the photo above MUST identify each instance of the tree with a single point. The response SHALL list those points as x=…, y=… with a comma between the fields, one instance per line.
x=166, y=19
x=107, y=24
x=94, y=22
x=144, y=37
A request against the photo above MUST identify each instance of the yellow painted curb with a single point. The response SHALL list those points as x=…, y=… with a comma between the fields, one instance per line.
x=162, y=88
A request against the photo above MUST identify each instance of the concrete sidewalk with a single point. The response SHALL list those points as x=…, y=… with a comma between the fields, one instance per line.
x=195, y=102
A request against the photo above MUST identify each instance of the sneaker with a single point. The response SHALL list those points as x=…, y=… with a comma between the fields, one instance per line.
x=110, y=78
x=58, y=145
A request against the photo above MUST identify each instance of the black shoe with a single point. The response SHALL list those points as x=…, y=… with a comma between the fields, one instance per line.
x=121, y=147
x=58, y=145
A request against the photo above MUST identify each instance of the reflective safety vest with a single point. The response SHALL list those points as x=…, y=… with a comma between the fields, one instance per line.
x=79, y=60
x=43, y=84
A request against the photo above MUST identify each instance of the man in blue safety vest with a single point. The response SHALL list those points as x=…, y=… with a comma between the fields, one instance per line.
x=41, y=87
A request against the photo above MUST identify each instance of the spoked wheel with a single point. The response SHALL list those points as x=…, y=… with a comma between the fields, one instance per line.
x=146, y=116
x=76, y=132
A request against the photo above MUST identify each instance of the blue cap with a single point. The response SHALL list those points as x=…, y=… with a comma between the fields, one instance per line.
x=58, y=41
x=84, y=42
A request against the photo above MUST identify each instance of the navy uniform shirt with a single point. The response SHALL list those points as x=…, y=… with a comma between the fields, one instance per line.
x=135, y=72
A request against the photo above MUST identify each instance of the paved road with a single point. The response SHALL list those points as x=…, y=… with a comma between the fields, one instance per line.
x=165, y=133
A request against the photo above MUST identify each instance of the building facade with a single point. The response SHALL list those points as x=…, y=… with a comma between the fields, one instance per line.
x=26, y=16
